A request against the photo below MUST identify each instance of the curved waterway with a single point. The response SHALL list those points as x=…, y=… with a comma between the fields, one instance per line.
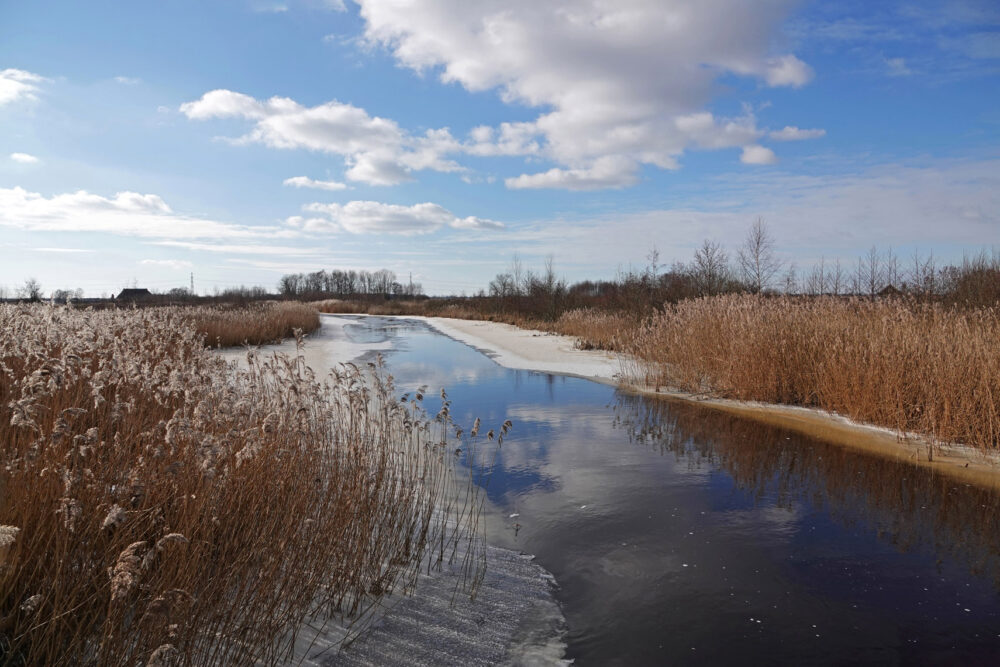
x=682, y=535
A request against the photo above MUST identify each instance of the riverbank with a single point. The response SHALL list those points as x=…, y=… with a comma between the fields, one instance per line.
x=525, y=349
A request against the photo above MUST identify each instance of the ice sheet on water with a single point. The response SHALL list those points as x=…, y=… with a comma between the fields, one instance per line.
x=514, y=620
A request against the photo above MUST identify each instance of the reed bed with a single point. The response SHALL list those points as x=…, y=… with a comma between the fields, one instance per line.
x=160, y=507
x=254, y=324
x=596, y=329
x=912, y=367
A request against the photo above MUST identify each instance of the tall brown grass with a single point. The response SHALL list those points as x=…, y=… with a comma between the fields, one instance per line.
x=924, y=368
x=253, y=324
x=158, y=506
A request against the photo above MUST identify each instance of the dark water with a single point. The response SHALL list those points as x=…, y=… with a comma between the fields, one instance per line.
x=682, y=535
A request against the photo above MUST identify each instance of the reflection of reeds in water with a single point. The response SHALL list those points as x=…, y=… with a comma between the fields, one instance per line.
x=156, y=503
x=907, y=505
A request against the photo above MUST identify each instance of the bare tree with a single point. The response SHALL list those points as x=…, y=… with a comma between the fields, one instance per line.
x=816, y=283
x=791, y=280
x=871, y=273
x=923, y=275
x=710, y=269
x=31, y=290
x=837, y=279
x=891, y=272
x=517, y=272
x=756, y=259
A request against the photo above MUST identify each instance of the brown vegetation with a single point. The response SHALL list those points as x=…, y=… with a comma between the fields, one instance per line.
x=253, y=324
x=157, y=505
x=925, y=368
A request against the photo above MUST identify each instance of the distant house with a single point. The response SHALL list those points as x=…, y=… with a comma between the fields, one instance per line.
x=134, y=294
x=889, y=291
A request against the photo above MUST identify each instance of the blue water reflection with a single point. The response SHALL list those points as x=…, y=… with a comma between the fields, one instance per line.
x=682, y=535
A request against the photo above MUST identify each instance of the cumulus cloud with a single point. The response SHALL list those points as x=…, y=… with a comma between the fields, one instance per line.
x=615, y=80
x=24, y=158
x=787, y=71
x=792, y=133
x=306, y=182
x=176, y=264
x=376, y=150
x=757, y=155
x=610, y=172
x=126, y=213
x=17, y=84
x=370, y=217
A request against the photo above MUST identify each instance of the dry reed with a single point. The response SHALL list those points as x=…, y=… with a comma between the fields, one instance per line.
x=254, y=324
x=912, y=367
x=161, y=507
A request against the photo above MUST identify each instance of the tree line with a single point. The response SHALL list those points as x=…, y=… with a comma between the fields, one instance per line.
x=755, y=268
x=346, y=284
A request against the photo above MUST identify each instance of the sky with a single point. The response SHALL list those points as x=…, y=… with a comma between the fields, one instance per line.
x=238, y=140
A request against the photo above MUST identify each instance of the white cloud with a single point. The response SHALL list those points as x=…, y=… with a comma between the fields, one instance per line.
x=223, y=104
x=788, y=71
x=370, y=217
x=17, y=84
x=127, y=213
x=24, y=158
x=897, y=67
x=609, y=172
x=757, y=155
x=128, y=80
x=176, y=264
x=614, y=79
x=238, y=249
x=306, y=182
x=939, y=205
x=377, y=150
x=792, y=133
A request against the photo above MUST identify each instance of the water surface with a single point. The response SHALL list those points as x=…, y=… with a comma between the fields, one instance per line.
x=683, y=535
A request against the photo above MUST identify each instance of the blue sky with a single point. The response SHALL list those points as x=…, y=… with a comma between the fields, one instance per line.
x=241, y=140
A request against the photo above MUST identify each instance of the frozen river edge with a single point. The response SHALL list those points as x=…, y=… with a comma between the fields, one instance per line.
x=513, y=620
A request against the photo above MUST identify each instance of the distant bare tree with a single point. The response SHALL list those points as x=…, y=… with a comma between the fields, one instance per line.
x=710, y=269
x=791, y=280
x=31, y=290
x=869, y=277
x=837, y=279
x=923, y=275
x=816, y=282
x=892, y=276
x=756, y=259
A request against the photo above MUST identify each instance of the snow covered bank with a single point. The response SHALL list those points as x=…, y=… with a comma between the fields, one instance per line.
x=526, y=349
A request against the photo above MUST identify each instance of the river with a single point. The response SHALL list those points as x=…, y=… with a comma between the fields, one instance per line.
x=682, y=535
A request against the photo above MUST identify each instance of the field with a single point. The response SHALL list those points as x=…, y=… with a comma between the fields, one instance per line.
x=158, y=506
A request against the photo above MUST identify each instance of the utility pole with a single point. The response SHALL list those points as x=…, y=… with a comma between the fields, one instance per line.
x=192, y=283
x=410, y=292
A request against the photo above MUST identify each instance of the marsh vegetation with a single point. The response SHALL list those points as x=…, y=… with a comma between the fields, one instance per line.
x=159, y=506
